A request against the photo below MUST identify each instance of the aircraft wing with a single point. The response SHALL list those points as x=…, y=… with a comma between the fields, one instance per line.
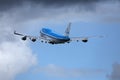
x=18, y=33
x=24, y=37
x=83, y=39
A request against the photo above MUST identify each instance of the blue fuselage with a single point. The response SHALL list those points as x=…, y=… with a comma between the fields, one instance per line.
x=52, y=37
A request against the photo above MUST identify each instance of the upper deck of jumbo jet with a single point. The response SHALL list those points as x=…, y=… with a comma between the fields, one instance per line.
x=50, y=33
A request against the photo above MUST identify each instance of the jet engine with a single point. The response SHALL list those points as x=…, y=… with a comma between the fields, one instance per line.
x=24, y=38
x=33, y=39
x=84, y=40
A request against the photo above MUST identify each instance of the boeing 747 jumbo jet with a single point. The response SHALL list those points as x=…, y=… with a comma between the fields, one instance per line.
x=48, y=36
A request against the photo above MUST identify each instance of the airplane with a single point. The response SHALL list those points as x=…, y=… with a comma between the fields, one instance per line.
x=48, y=36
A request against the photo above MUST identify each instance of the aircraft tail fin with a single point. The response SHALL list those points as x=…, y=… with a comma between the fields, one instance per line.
x=67, y=31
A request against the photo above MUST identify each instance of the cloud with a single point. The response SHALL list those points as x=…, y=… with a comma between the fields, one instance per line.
x=57, y=71
x=115, y=75
x=8, y=4
x=109, y=12
x=38, y=11
x=15, y=58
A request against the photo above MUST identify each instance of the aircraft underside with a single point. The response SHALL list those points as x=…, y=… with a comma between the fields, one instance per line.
x=53, y=40
x=58, y=41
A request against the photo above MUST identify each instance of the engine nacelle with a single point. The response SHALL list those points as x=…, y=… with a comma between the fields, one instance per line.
x=24, y=38
x=33, y=39
x=85, y=40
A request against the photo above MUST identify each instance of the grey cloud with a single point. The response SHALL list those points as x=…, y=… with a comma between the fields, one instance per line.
x=115, y=75
x=64, y=2
x=19, y=16
x=8, y=4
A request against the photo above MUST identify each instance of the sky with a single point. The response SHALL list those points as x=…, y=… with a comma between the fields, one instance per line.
x=98, y=59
